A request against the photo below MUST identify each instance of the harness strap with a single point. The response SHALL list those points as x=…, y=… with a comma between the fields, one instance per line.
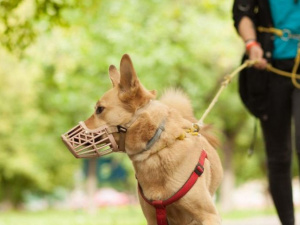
x=160, y=205
x=273, y=30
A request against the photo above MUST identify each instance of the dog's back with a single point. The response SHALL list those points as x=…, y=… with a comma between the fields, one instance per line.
x=178, y=100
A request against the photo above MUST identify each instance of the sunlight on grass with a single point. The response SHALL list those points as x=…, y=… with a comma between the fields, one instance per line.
x=127, y=215
x=105, y=216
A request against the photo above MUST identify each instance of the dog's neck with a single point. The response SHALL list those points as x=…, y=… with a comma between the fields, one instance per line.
x=153, y=140
x=137, y=114
x=145, y=132
x=148, y=134
x=162, y=157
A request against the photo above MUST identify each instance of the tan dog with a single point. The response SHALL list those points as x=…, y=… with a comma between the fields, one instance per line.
x=164, y=166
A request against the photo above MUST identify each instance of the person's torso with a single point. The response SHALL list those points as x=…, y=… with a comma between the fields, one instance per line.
x=286, y=16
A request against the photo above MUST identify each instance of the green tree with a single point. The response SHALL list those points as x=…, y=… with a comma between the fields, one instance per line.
x=186, y=44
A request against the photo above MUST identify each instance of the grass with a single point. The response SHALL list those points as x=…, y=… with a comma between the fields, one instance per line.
x=249, y=213
x=106, y=216
x=129, y=215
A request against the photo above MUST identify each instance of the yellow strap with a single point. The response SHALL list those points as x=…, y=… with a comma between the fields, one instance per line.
x=281, y=72
x=293, y=75
x=181, y=137
x=192, y=131
x=295, y=68
x=273, y=30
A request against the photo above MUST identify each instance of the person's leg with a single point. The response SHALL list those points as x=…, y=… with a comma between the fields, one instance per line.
x=277, y=136
x=296, y=115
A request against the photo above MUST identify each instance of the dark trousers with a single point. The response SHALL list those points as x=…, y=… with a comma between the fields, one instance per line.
x=283, y=113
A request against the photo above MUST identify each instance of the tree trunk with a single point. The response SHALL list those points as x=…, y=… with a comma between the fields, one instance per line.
x=227, y=187
x=91, y=184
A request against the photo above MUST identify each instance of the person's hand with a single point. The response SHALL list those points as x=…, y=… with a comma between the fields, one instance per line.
x=256, y=53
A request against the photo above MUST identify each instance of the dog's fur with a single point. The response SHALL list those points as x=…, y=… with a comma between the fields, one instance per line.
x=165, y=167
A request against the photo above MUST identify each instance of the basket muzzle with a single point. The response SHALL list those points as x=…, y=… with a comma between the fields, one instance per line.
x=92, y=143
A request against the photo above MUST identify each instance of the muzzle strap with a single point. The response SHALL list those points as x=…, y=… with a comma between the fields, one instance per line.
x=122, y=131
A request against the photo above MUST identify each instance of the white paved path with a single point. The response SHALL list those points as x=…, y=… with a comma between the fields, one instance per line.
x=266, y=220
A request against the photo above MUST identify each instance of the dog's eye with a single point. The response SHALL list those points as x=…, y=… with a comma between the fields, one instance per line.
x=99, y=109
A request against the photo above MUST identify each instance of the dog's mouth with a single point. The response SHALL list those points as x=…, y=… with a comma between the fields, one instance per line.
x=86, y=143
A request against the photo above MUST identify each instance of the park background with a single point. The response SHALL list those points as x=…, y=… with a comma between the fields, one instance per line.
x=54, y=59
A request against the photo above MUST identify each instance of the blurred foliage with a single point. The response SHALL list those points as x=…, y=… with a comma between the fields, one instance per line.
x=187, y=44
x=22, y=20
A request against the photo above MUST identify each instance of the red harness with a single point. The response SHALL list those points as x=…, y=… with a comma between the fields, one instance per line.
x=160, y=205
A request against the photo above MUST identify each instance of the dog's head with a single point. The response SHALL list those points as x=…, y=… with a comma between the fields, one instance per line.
x=118, y=105
x=114, y=112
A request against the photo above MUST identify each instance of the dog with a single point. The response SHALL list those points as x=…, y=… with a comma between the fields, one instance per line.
x=162, y=147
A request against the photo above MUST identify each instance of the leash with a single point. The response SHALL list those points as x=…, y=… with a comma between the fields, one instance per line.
x=227, y=79
x=248, y=63
x=295, y=68
x=281, y=72
x=284, y=34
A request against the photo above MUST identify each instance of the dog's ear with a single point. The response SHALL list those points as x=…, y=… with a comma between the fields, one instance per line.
x=153, y=92
x=128, y=81
x=114, y=75
x=131, y=90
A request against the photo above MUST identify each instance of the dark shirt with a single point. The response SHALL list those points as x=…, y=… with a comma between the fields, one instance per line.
x=259, y=12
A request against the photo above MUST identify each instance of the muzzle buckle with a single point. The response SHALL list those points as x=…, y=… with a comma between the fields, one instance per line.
x=121, y=129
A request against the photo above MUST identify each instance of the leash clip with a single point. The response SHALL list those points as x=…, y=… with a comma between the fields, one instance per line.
x=197, y=126
x=286, y=35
